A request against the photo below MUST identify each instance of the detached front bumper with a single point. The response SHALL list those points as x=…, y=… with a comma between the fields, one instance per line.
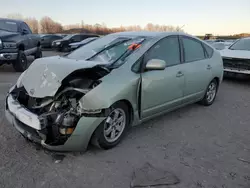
x=27, y=124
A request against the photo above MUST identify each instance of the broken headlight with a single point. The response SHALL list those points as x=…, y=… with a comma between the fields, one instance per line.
x=82, y=110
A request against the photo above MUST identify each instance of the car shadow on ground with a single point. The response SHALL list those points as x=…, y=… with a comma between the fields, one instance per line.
x=9, y=68
x=237, y=79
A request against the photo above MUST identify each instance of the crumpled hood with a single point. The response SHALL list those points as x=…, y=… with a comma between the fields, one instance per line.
x=44, y=76
x=243, y=54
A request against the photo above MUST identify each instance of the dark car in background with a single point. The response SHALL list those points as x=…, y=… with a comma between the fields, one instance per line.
x=46, y=40
x=16, y=43
x=76, y=45
x=63, y=44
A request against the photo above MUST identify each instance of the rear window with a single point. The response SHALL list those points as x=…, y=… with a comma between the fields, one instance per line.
x=209, y=50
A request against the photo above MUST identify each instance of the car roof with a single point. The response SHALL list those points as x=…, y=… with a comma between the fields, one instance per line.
x=149, y=33
x=88, y=34
x=11, y=20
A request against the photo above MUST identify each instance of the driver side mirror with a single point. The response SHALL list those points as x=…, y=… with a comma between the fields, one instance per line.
x=24, y=32
x=156, y=64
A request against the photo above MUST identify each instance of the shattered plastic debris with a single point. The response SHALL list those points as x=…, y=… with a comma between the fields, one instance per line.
x=57, y=158
x=151, y=176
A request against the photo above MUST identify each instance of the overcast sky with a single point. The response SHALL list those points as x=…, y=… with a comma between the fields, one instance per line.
x=199, y=17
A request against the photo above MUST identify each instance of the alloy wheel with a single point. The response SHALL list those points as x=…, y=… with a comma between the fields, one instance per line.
x=114, y=125
x=211, y=92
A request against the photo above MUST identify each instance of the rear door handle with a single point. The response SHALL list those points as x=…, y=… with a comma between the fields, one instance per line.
x=179, y=74
x=209, y=67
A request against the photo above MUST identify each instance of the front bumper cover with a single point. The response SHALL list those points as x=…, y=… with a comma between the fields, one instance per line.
x=8, y=56
x=78, y=141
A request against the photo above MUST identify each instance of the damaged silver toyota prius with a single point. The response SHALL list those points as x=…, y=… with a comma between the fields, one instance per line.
x=95, y=93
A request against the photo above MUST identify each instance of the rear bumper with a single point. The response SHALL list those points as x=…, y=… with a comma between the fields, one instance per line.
x=78, y=141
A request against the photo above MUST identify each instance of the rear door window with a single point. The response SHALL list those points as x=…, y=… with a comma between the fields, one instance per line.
x=193, y=49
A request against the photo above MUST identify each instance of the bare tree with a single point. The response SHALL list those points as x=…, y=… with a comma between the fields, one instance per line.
x=33, y=24
x=50, y=26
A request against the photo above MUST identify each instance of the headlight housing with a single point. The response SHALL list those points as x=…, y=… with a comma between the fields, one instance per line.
x=58, y=43
x=19, y=80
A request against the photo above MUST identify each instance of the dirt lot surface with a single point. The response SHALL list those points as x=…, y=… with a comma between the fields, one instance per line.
x=205, y=147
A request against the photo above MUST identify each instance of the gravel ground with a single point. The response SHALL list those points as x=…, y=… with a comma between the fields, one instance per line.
x=205, y=147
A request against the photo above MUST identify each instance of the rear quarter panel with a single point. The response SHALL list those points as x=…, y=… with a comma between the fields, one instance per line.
x=217, y=65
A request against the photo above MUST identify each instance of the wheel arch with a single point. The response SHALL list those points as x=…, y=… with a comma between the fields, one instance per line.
x=130, y=109
x=21, y=47
x=217, y=79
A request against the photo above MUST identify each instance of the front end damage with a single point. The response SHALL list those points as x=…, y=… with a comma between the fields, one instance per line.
x=58, y=122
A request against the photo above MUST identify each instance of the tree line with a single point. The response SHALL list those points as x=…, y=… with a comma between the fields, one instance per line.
x=48, y=25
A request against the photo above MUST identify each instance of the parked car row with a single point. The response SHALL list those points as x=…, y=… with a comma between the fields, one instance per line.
x=46, y=40
x=63, y=44
x=220, y=44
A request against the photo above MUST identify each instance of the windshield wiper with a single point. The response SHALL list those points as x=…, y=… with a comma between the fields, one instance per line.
x=108, y=47
x=127, y=52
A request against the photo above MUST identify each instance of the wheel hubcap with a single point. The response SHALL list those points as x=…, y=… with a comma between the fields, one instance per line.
x=211, y=92
x=23, y=61
x=114, y=125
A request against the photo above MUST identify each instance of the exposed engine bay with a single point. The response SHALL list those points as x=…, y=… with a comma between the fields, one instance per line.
x=60, y=114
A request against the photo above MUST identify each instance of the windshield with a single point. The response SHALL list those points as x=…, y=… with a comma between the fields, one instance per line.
x=8, y=26
x=106, y=49
x=242, y=44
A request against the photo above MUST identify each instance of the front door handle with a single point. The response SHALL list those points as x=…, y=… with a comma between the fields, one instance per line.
x=179, y=74
x=209, y=67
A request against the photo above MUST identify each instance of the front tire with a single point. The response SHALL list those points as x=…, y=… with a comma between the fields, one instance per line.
x=210, y=94
x=21, y=63
x=111, y=131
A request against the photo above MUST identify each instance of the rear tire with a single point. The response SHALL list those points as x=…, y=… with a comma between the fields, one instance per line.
x=38, y=53
x=112, y=130
x=21, y=63
x=210, y=94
